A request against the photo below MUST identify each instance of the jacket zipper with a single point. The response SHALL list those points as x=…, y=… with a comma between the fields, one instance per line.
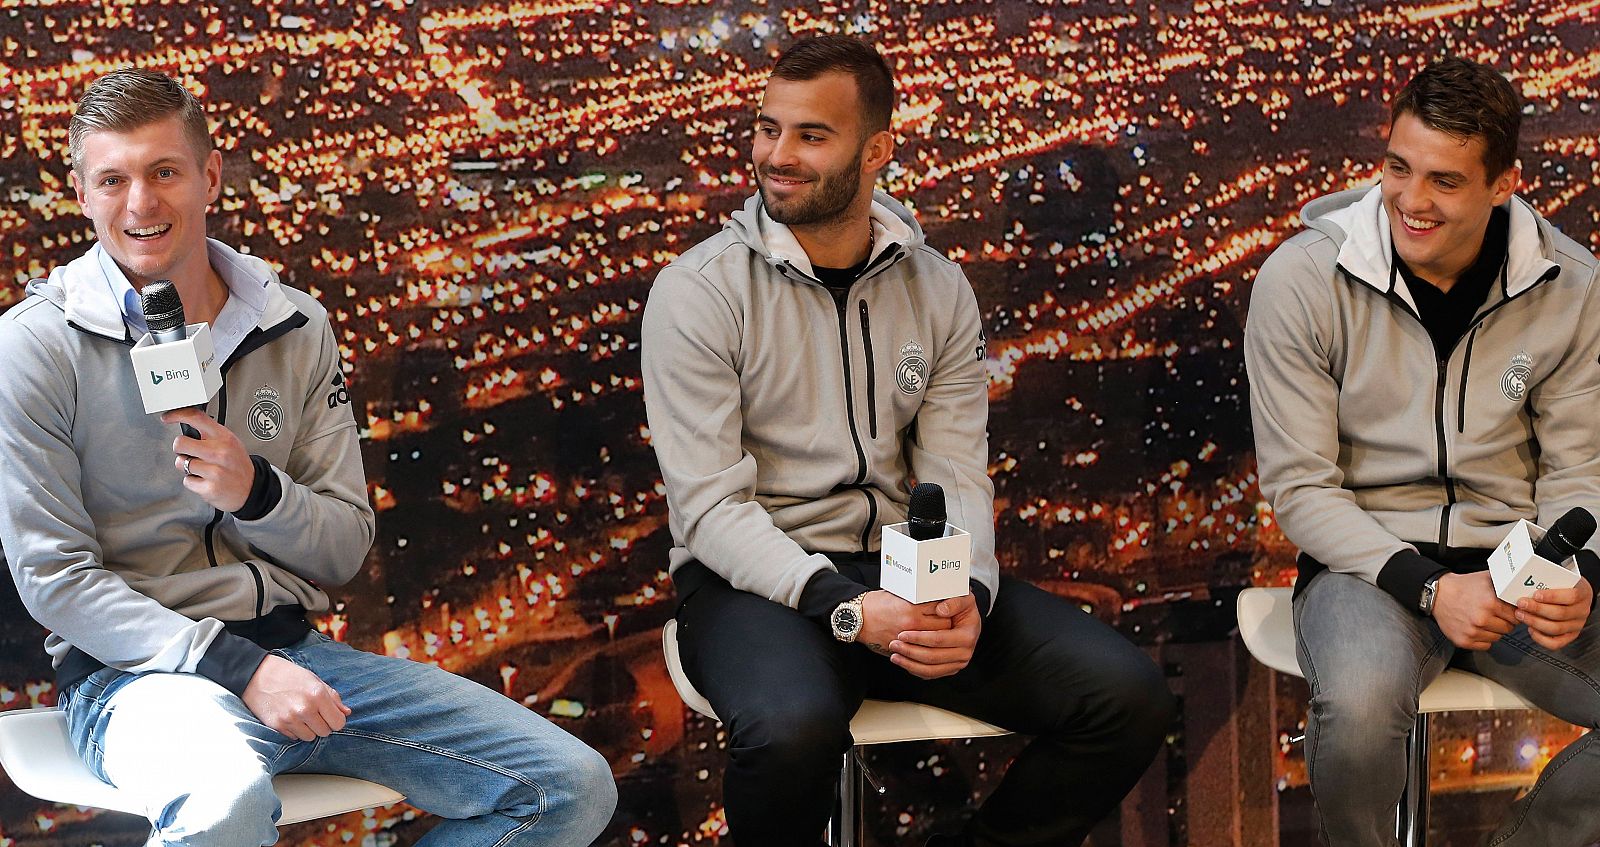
x=216, y=514
x=1444, y=457
x=872, y=373
x=872, y=519
x=839, y=301
x=1466, y=371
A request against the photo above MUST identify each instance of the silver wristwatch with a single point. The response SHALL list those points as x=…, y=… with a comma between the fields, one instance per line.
x=1430, y=592
x=846, y=620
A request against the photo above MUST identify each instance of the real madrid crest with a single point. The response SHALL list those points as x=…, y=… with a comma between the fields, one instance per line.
x=912, y=372
x=1514, y=383
x=266, y=416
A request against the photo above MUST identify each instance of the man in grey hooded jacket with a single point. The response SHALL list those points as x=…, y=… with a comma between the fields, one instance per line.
x=1424, y=368
x=802, y=368
x=174, y=572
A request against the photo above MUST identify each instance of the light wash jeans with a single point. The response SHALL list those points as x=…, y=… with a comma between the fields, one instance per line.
x=202, y=764
x=1368, y=659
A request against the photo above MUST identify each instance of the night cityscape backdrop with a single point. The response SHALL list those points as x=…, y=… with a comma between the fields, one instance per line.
x=482, y=193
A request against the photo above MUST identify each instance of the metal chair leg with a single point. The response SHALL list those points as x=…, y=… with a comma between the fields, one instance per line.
x=844, y=829
x=1411, y=822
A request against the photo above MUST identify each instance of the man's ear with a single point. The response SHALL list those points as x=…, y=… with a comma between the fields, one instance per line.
x=1506, y=184
x=77, y=189
x=877, y=152
x=213, y=167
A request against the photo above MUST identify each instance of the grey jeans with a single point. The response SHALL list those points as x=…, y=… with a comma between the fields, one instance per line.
x=1368, y=658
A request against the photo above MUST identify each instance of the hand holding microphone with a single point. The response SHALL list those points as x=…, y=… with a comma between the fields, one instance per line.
x=213, y=461
x=163, y=315
x=1555, y=616
x=173, y=365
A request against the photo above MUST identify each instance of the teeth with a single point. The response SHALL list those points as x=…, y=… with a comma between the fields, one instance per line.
x=149, y=230
x=1417, y=224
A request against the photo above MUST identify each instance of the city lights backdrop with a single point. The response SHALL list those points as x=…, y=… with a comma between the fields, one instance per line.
x=482, y=192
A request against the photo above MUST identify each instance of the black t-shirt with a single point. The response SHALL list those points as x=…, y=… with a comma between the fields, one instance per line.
x=839, y=280
x=1447, y=314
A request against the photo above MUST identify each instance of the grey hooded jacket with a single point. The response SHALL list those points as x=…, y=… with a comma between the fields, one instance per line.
x=1368, y=444
x=108, y=549
x=789, y=425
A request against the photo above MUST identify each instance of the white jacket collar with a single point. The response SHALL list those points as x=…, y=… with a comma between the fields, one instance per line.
x=1368, y=247
x=887, y=230
x=89, y=284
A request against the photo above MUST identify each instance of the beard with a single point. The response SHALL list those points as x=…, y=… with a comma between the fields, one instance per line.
x=830, y=196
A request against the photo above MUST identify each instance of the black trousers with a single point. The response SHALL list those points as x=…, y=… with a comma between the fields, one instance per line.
x=786, y=690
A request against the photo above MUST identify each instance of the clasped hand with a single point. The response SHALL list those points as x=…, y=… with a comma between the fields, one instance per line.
x=927, y=640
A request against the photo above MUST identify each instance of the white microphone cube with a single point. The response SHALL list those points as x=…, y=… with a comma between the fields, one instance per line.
x=177, y=374
x=1518, y=572
x=924, y=571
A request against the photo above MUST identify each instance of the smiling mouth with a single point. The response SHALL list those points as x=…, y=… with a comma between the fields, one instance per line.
x=786, y=180
x=148, y=232
x=1417, y=223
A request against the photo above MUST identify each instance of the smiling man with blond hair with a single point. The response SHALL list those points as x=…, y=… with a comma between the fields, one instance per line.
x=175, y=572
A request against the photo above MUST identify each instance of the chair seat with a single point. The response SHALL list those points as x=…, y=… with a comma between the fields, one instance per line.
x=38, y=757
x=1266, y=623
x=877, y=722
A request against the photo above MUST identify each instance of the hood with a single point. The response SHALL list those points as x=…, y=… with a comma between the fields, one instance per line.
x=1357, y=221
x=82, y=288
x=892, y=224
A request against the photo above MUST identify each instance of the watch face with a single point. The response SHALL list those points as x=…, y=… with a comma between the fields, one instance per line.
x=846, y=620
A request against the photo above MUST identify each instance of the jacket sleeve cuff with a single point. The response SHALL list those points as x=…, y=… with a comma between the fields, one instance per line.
x=826, y=590
x=980, y=593
x=1589, y=566
x=1404, y=575
x=265, y=492
x=231, y=661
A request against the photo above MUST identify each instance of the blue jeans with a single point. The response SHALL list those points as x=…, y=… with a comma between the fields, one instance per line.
x=202, y=764
x=1367, y=659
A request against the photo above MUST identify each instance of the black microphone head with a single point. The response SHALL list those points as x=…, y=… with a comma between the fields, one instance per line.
x=1570, y=532
x=927, y=502
x=163, y=309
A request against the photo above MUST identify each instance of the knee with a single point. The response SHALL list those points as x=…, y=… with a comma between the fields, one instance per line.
x=1357, y=717
x=221, y=812
x=569, y=801
x=1136, y=703
x=595, y=790
x=800, y=736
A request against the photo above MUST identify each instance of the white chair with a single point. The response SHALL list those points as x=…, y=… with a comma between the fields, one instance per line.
x=1266, y=623
x=36, y=754
x=876, y=722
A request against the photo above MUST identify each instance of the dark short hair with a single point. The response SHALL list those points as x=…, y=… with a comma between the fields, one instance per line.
x=1466, y=99
x=823, y=54
x=127, y=99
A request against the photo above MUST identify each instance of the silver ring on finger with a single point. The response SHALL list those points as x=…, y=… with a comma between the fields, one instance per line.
x=186, y=461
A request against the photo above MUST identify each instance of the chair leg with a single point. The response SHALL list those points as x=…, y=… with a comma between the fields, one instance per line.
x=1411, y=823
x=845, y=828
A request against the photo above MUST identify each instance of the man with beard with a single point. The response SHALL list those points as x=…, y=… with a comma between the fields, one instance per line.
x=802, y=368
x=1424, y=369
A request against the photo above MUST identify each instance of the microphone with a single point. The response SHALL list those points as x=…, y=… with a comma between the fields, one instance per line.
x=927, y=515
x=925, y=559
x=163, y=311
x=173, y=366
x=1566, y=536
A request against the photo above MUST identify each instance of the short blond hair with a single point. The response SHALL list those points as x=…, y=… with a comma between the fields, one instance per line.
x=127, y=99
